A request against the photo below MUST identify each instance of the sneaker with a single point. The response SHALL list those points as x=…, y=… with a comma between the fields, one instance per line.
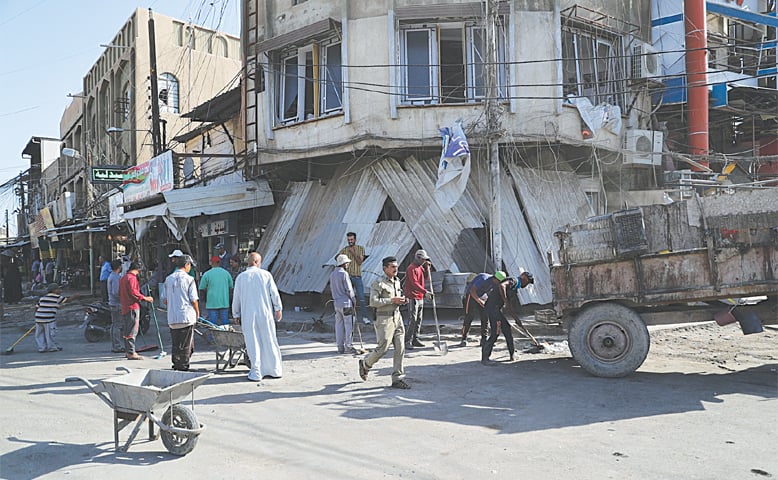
x=488, y=363
x=341, y=351
x=401, y=385
x=56, y=349
x=351, y=351
x=417, y=343
x=363, y=370
x=463, y=343
x=255, y=380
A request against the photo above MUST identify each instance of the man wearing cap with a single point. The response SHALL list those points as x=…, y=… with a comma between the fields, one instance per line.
x=46, y=318
x=343, y=299
x=217, y=283
x=255, y=306
x=498, y=298
x=415, y=291
x=183, y=309
x=386, y=296
x=356, y=253
x=473, y=302
x=130, y=298
x=224, y=256
x=174, y=256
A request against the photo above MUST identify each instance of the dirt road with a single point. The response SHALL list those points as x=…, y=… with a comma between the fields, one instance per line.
x=703, y=406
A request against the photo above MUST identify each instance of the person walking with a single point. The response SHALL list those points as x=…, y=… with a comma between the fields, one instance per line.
x=386, y=297
x=356, y=253
x=217, y=283
x=115, y=305
x=498, y=298
x=46, y=318
x=256, y=304
x=474, y=300
x=183, y=309
x=105, y=272
x=344, y=302
x=130, y=298
x=415, y=291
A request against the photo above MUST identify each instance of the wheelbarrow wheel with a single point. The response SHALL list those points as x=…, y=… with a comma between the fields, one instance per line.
x=180, y=417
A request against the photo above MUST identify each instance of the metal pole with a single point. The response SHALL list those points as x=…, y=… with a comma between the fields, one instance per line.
x=492, y=132
x=155, y=135
x=91, y=266
x=696, y=86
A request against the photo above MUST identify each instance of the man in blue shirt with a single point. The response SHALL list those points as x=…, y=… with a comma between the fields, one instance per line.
x=117, y=341
x=105, y=271
x=473, y=302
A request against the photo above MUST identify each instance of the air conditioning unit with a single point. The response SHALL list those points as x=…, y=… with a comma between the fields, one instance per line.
x=643, y=147
x=645, y=61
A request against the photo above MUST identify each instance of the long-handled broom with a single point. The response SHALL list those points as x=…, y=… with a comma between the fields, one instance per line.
x=162, y=352
x=10, y=349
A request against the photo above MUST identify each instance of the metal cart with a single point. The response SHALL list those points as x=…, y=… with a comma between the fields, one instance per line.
x=137, y=395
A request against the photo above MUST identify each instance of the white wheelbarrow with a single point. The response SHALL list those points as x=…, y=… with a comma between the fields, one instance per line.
x=138, y=394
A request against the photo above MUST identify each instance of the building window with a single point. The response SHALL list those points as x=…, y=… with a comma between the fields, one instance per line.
x=593, y=66
x=298, y=2
x=310, y=83
x=446, y=63
x=168, y=92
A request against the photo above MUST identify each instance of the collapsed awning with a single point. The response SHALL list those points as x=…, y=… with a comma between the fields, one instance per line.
x=220, y=198
x=182, y=204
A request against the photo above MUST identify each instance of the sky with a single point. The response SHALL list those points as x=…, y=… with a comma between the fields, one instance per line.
x=46, y=48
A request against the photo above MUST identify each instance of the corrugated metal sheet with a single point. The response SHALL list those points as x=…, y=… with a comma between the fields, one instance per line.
x=519, y=252
x=551, y=200
x=215, y=199
x=282, y=221
x=387, y=238
x=452, y=245
x=466, y=208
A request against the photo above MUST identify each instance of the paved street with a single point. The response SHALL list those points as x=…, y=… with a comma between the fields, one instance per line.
x=538, y=417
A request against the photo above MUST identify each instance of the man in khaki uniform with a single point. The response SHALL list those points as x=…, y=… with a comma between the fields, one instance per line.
x=386, y=296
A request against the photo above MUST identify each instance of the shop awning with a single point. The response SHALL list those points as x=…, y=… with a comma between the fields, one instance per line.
x=215, y=199
x=182, y=204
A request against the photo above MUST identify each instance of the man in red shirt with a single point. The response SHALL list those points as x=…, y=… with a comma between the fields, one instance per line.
x=414, y=290
x=130, y=298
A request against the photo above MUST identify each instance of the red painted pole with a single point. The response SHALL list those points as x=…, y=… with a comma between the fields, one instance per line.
x=697, y=78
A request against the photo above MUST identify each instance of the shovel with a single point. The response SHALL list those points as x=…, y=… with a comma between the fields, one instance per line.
x=439, y=346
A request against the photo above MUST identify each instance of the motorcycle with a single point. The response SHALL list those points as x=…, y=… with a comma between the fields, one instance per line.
x=97, y=321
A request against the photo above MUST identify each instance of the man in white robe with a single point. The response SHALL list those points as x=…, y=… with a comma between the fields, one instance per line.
x=256, y=306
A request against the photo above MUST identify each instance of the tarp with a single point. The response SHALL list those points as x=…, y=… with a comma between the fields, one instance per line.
x=220, y=198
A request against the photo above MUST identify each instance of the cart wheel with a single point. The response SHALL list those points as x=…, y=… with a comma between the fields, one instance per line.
x=180, y=417
x=609, y=340
x=93, y=334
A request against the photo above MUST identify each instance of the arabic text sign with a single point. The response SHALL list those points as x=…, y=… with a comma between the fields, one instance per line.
x=148, y=179
x=107, y=174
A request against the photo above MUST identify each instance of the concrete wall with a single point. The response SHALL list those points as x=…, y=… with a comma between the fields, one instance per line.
x=536, y=110
x=202, y=73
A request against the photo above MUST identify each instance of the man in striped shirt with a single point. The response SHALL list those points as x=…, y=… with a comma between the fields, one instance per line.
x=46, y=318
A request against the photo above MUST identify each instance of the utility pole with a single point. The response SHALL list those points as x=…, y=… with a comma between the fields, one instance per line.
x=153, y=77
x=493, y=131
x=697, y=79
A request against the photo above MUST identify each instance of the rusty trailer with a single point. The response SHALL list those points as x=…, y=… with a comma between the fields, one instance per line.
x=615, y=267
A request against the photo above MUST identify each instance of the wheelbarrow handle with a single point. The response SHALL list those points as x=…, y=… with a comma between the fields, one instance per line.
x=96, y=389
x=122, y=368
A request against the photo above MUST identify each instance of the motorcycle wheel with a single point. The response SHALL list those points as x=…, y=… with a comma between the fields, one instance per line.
x=92, y=334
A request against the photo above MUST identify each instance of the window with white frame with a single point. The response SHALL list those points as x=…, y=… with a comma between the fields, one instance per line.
x=446, y=63
x=167, y=84
x=593, y=66
x=310, y=82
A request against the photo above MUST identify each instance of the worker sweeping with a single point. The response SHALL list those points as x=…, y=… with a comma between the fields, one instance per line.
x=46, y=318
x=497, y=299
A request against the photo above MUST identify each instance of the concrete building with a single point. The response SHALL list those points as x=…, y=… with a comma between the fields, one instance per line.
x=345, y=100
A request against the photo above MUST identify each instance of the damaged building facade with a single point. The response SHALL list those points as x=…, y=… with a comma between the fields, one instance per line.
x=344, y=102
